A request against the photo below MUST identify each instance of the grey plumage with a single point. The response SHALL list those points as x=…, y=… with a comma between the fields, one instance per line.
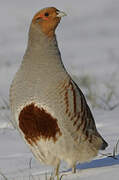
x=48, y=108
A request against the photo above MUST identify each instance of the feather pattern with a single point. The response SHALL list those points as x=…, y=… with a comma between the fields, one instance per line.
x=78, y=113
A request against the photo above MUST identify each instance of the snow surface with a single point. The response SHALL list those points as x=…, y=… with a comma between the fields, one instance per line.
x=89, y=42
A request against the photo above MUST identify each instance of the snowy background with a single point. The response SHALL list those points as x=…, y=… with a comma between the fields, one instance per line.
x=89, y=42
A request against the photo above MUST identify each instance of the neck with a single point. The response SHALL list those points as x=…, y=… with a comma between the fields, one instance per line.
x=36, y=36
x=41, y=44
x=42, y=52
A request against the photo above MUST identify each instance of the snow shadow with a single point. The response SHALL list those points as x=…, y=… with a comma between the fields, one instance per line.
x=108, y=161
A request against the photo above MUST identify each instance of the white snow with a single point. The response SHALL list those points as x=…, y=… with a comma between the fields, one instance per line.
x=89, y=42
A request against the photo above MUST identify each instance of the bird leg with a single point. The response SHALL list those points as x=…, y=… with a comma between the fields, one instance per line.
x=56, y=172
x=69, y=173
x=74, y=169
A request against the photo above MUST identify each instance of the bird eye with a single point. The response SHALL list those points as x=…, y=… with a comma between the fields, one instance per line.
x=47, y=14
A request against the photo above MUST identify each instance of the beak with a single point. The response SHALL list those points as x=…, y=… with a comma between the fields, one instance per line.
x=61, y=14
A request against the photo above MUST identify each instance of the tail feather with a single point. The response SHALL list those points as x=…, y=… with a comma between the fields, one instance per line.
x=104, y=145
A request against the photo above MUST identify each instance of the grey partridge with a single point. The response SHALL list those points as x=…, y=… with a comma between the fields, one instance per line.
x=47, y=106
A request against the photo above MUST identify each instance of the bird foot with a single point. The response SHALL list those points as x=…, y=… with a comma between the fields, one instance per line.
x=55, y=177
x=67, y=174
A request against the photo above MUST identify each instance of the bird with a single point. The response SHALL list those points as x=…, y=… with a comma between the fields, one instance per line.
x=47, y=106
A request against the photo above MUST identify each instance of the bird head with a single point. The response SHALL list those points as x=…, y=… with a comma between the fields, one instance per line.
x=47, y=20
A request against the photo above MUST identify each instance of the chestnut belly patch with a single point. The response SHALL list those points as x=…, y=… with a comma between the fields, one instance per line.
x=36, y=123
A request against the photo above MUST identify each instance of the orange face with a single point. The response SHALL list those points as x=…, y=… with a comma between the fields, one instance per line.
x=48, y=20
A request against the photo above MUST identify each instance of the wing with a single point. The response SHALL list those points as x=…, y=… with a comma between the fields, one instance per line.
x=80, y=122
